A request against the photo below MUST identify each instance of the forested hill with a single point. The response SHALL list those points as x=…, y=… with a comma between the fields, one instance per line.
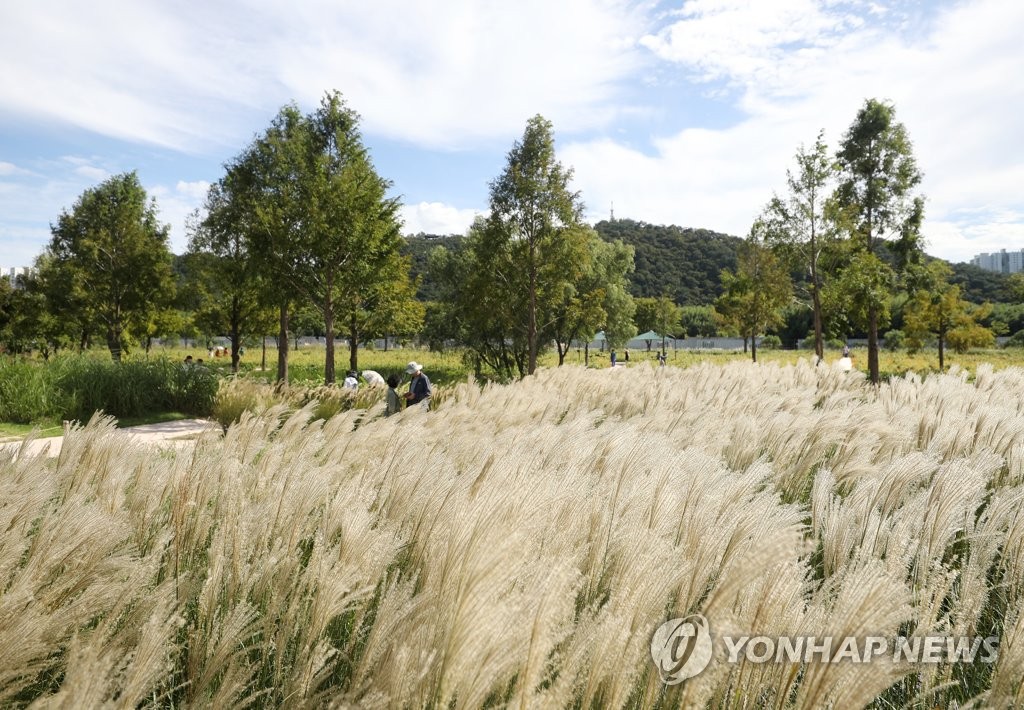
x=683, y=263
x=418, y=247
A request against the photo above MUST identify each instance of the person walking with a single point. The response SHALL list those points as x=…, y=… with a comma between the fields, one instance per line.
x=351, y=381
x=419, y=386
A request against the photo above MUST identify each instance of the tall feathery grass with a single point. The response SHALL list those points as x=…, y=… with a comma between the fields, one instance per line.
x=518, y=545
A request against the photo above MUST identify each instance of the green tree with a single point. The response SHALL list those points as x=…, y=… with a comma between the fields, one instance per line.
x=112, y=257
x=875, y=204
x=231, y=291
x=520, y=278
x=265, y=183
x=699, y=321
x=759, y=289
x=537, y=221
x=353, y=245
x=480, y=287
x=661, y=314
x=668, y=316
x=939, y=311
x=798, y=226
x=645, y=316
x=597, y=297
x=324, y=225
x=860, y=294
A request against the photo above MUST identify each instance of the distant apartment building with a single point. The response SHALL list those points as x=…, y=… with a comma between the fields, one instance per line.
x=1005, y=262
x=14, y=273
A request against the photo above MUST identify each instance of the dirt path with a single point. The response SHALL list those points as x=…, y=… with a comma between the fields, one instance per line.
x=176, y=433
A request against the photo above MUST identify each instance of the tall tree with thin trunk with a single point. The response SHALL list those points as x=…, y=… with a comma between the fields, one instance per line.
x=878, y=174
x=324, y=225
x=232, y=295
x=266, y=177
x=350, y=251
x=798, y=227
x=535, y=213
x=938, y=311
x=597, y=298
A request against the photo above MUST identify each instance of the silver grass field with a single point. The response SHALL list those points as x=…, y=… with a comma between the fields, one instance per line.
x=518, y=545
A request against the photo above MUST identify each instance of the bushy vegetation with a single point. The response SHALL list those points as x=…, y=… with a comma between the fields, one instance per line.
x=518, y=546
x=74, y=387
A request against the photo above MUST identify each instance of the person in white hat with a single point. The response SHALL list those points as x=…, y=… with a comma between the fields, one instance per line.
x=419, y=386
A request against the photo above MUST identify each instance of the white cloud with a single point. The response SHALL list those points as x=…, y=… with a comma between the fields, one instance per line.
x=195, y=191
x=438, y=72
x=91, y=172
x=436, y=218
x=176, y=205
x=951, y=87
x=446, y=74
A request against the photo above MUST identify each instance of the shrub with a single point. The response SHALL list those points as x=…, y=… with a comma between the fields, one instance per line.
x=771, y=342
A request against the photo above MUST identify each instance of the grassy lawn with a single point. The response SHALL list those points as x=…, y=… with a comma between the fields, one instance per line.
x=50, y=427
x=46, y=428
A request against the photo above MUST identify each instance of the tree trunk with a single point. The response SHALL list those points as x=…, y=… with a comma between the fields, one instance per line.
x=561, y=352
x=586, y=354
x=282, y=346
x=263, y=359
x=353, y=344
x=531, y=331
x=114, y=343
x=329, y=377
x=942, y=360
x=819, y=337
x=235, y=333
x=873, y=346
x=753, y=347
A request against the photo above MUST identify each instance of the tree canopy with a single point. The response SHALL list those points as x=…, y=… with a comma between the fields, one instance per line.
x=108, y=261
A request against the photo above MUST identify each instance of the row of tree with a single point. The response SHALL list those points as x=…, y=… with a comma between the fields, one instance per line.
x=299, y=220
x=850, y=223
x=300, y=233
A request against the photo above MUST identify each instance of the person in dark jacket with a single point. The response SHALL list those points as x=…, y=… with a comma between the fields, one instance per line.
x=419, y=386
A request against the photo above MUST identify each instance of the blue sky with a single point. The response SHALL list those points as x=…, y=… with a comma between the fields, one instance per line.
x=686, y=112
